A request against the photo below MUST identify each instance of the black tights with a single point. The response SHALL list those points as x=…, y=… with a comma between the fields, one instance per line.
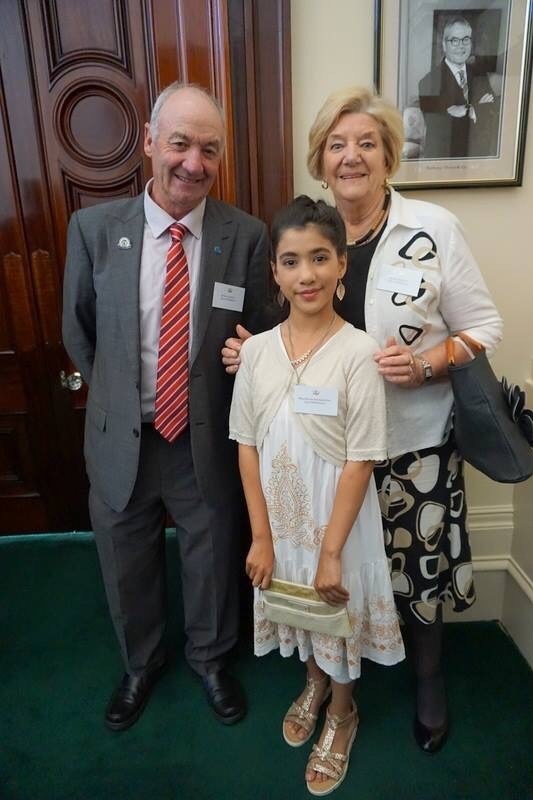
x=424, y=643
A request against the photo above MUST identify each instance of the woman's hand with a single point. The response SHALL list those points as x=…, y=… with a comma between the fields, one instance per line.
x=232, y=348
x=328, y=580
x=260, y=562
x=398, y=365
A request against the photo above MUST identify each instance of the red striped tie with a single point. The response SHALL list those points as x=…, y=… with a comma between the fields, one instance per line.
x=172, y=387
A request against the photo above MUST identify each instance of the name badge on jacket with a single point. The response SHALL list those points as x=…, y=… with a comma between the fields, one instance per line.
x=401, y=280
x=228, y=297
x=316, y=400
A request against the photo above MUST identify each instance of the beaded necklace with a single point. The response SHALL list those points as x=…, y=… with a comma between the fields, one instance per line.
x=375, y=225
x=306, y=357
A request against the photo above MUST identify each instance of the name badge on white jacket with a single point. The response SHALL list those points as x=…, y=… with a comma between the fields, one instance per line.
x=316, y=400
x=402, y=280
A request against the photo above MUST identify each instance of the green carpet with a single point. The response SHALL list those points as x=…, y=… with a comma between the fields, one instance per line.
x=58, y=664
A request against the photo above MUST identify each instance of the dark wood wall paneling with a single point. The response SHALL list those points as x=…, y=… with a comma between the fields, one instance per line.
x=261, y=84
x=77, y=82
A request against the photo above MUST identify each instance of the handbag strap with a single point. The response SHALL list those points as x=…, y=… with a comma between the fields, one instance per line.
x=475, y=346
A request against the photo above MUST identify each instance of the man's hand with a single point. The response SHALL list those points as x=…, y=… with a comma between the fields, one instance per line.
x=458, y=111
x=488, y=97
x=232, y=348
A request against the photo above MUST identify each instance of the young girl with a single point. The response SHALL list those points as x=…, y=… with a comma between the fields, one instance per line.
x=308, y=413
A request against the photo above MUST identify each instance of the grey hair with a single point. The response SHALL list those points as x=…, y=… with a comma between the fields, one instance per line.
x=455, y=21
x=172, y=89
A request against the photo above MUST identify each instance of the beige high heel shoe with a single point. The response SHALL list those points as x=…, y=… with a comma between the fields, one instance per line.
x=322, y=759
x=300, y=714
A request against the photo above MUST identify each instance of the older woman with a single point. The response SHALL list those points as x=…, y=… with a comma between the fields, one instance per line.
x=411, y=281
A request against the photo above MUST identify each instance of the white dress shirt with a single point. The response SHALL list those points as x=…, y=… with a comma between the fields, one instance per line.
x=456, y=69
x=156, y=243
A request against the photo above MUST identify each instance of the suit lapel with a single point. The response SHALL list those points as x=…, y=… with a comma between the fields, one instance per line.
x=217, y=238
x=128, y=229
x=451, y=89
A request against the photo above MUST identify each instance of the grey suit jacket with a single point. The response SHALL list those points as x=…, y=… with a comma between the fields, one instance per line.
x=101, y=333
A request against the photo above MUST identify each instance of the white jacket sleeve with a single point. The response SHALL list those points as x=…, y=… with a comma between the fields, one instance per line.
x=465, y=303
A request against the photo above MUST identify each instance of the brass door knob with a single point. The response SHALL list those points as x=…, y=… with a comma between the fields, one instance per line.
x=74, y=381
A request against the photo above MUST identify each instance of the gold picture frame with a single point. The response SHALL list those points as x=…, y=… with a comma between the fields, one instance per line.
x=475, y=141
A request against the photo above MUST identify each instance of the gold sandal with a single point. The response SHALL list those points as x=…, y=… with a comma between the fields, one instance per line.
x=300, y=713
x=325, y=761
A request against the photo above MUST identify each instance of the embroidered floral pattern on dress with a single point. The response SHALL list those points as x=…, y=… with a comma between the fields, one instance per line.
x=299, y=489
x=289, y=504
x=380, y=631
x=375, y=632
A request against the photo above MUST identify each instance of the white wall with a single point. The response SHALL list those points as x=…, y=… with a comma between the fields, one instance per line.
x=332, y=47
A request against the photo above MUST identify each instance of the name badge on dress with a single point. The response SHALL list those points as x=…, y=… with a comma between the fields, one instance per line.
x=316, y=400
x=227, y=296
x=400, y=280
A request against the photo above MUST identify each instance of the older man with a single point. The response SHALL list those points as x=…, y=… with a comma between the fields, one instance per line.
x=153, y=287
x=457, y=100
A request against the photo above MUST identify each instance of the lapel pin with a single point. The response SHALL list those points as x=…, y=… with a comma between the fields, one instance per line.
x=124, y=243
x=217, y=248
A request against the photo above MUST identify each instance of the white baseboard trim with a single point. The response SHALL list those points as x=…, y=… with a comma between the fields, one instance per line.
x=521, y=578
x=517, y=616
x=491, y=534
x=504, y=593
x=490, y=575
x=491, y=530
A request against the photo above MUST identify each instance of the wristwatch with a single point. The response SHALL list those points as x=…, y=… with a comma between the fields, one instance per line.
x=427, y=369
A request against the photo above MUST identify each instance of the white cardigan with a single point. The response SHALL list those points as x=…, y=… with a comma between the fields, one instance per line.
x=344, y=362
x=455, y=298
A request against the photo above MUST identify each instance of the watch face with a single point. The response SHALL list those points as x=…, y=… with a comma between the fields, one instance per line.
x=428, y=371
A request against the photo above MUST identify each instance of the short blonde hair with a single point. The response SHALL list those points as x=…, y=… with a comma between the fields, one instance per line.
x=359, y=100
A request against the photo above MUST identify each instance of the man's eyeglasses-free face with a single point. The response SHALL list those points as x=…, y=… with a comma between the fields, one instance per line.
x=455, y=42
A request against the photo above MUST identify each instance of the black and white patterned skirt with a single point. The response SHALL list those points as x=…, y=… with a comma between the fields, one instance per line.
x=422, y=498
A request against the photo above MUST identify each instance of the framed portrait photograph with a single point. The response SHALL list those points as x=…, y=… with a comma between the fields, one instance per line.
x=460, y=73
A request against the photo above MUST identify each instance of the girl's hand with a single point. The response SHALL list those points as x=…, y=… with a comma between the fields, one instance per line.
x=328, y=580
x=398, y=365
x=232, y=348
x=260, y=563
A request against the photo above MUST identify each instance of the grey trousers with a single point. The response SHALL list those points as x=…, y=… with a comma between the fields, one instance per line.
x=131, y=549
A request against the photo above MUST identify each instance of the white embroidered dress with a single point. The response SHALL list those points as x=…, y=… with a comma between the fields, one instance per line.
x=299, y=488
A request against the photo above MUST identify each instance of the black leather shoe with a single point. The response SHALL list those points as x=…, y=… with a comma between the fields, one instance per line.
x=225, y=696
x=129, y=699
x=430, y=739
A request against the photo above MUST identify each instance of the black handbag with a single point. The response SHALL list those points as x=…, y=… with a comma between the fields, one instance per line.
x=494, y=431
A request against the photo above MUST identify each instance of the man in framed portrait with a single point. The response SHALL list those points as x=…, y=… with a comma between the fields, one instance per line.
x=456, y=98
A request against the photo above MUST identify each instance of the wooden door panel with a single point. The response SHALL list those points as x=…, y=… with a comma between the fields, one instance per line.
x=91, y=80
x=23, y=416
x=189, y=40
x=24, y=438
x=77, y=81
